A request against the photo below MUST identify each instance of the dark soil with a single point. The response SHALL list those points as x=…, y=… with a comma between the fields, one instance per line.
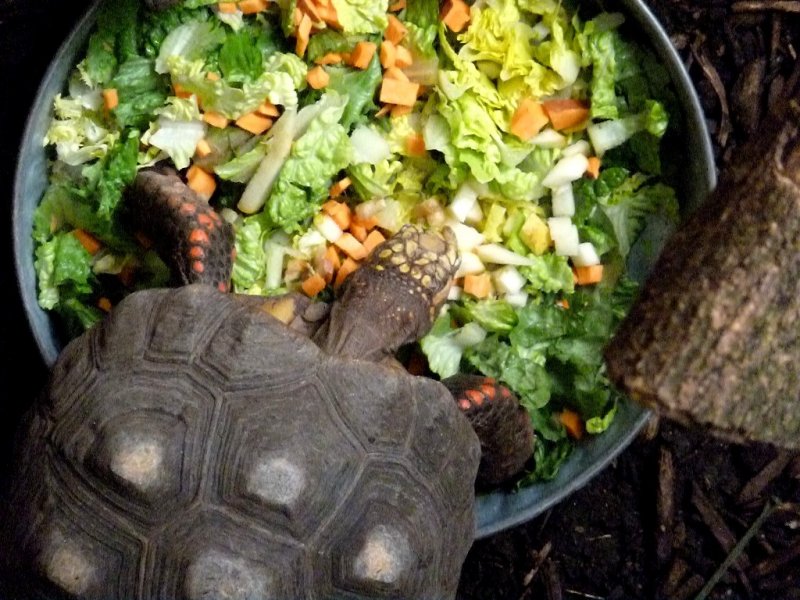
x=665, y=516
x=662, y=520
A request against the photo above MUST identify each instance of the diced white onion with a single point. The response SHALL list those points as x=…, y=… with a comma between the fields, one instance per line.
x=548, y=138
x=519, y=299
x=470, y=264
x=609, y=134
x=586, y=255
x=370, y=208
x=564, y=235
x=455, y=292
x=499, y=255
x=508, y=280
x=465, y=198
x=579, y=147
x=475, y=215
x=328, y=227
x=369, y=146
x=467, y=238
x=566, y=170
x=229, y=215
x=563, y=201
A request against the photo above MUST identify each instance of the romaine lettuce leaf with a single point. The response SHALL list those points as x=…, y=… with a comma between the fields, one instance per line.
x=63, y=268
x=362, y=16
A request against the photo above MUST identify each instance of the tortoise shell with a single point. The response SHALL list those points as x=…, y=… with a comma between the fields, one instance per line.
x=191, y=447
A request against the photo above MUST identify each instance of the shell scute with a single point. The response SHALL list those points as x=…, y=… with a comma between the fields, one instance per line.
x=284, y=458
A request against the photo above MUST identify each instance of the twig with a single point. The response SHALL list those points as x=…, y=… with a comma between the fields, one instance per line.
x=790, y=6
x=552, y=581
x=776, y=561
x=677, y=572
x=665, y=506
x=715, y=523
x=753, y=488
x=713, y=77
x=538, y=558
x=734, y=554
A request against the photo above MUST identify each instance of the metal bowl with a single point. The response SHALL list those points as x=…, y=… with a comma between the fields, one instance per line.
x=494, y=511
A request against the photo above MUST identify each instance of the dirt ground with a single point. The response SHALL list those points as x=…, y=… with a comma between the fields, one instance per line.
x=678, y=511
x=679, y=515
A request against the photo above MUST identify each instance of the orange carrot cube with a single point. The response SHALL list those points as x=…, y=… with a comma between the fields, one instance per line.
x=351, y=246
x=374, y=239
x=110, y=98
x=203, y=148
x=313, y=285
x=566, y=113
x=528, y=119
x=394, y=91
x=201, y=182
x=403, y=58
x=318, y=78
x=338, y=188
x=254, y=122
x=88, y=241
x=362, y=55
x=479, y=285
x=455, y=15
x=395, y=30
x=215, y=120
x=588, y=275
x=348, y=266
x=388, y=54
x=593, y=168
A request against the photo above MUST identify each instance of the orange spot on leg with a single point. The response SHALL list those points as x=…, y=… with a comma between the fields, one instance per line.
x=198, y=267
x=197, y=252
x=205, y=221
x=464, y=404
x=198, y=236
x=188, y=209
x=474, y=396
x=222, y=286
x=489, y=391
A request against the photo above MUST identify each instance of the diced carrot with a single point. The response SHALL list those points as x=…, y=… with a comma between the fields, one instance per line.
x=415, y=145
x=563, y=303
x=404, y=58
x=318, y=78
x=339, y=212
x=351, y=246
x=268, y=109
x=399, y=111
x=384, y=110
x=332, y=255
x=313, y=285
x=593, y=169
x=479, y=285
x=254, y=122
x=215, y=120
x=180, y=91
x=397, y=6
x=308, y=7
x=368, y=223
x=572, y=423
x=104, y=304
x=213, y=76
x=348, y=266
x=528, y=119
x=359, y=231
x=303, y=32
x=566, y=113
x=339, y=187
x=110, y=98
x=297, y=16
x=374, y=239
x=395, y=73
x=588, y=275
x=296, y=268
x=203, y=148
x=395, y=30
x=455, y=15
x=362, y=54
x=328, y=14
x=226, y=7
x=251, y=7
x=388, y=54
x=88, y=241
x=202, y=182
x=399, y=92
x=331, y=58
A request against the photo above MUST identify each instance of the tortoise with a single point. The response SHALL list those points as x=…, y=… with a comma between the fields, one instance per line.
x=200, y=444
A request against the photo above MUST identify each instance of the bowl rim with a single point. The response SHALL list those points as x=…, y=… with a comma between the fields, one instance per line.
x=494, y=511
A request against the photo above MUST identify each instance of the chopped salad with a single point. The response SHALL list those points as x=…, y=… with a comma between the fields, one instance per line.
x=320, y=127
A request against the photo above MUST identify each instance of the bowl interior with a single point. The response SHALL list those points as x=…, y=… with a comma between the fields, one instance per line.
x=494, y=511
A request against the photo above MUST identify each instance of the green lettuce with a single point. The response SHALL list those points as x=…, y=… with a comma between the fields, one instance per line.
x=362, y=16
x=63, y=268
x=141, y=91
x=250, y=264
x=319, y=154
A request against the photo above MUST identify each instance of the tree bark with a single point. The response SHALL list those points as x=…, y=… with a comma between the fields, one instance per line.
x=714, y=338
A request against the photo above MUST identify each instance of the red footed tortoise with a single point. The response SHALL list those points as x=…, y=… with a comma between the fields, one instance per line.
x=193, y=445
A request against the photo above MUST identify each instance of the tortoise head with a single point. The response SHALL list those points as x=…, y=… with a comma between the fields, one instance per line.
x=394, y=297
